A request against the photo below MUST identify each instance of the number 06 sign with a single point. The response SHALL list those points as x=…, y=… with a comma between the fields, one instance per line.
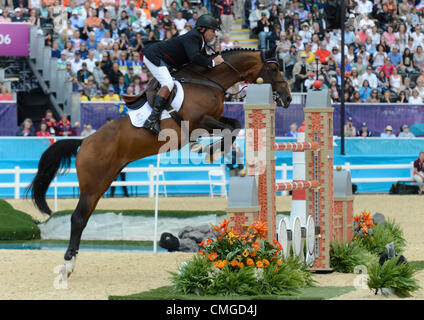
x=14, y=40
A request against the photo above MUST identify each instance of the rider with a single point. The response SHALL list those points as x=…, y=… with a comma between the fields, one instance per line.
x=175, y=53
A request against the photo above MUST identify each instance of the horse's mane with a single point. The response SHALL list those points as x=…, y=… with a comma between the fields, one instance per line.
x=234, y=50
x=224, y=54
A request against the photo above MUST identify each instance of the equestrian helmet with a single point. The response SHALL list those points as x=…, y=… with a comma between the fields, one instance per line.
x=207, y=21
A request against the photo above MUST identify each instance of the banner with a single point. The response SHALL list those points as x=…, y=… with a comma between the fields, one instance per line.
x=14, y=40
x=8, y=118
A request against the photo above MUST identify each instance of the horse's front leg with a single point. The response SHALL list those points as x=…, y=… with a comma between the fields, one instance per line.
x=228, y=130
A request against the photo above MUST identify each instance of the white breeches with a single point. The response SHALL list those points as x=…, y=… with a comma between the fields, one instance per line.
x=161, y=74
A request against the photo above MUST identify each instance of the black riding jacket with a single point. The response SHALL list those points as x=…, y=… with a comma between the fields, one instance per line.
x=179, y=51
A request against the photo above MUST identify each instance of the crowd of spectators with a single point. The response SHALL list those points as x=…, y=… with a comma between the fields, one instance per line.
x=384, y=59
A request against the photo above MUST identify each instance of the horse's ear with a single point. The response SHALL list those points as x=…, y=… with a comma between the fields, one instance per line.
x=270, y=53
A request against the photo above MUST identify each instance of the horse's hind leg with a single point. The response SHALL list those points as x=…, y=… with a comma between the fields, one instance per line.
x=79, y=219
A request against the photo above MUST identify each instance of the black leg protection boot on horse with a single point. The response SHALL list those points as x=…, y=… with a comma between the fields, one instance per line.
x=153, y=122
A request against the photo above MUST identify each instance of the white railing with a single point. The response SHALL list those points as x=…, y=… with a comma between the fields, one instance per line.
x=151, y=171
x=349, y=167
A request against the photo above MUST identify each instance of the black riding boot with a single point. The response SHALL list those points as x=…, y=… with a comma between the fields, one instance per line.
x=153, y=122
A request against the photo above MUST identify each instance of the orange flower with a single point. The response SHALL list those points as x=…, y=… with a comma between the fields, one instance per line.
x=225, y=262
x=280, y=247
x=256, y=245
x=208, y=242
x=212, y=256
x=201, y=253
x=253, y=254
x=266, y=262
x=219, y=264
x=259, y=228
x=259, y=264
x=241, y=265
x=234, y=263
x=201, y=243
x=250, y=262
x=279, y=262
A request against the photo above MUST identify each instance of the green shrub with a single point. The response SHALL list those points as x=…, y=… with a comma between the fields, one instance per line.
x=396, y=277
x=16, y=225
x=198, y=276
x=344, y=257
x=382, y=234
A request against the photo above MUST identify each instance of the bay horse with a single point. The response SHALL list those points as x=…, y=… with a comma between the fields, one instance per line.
x=101, y=156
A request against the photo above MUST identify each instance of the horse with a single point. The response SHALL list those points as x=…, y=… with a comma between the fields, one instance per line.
x=101, y=156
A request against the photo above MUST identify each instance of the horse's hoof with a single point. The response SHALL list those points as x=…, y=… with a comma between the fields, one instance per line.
x=196, y=147
x=68, y=268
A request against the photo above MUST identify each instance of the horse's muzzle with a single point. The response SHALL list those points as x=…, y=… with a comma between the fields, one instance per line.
x=282, y=100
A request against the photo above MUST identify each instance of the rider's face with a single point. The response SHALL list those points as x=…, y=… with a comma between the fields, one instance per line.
x=209, y=35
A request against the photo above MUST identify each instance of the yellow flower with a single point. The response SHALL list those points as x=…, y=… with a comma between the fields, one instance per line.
x=245, y=253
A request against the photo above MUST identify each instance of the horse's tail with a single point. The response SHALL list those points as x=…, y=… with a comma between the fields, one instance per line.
x=57, y=156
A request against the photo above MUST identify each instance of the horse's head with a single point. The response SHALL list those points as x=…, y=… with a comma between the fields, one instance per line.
x=270, y=73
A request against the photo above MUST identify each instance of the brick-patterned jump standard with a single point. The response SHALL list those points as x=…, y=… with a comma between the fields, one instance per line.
x=260, y=162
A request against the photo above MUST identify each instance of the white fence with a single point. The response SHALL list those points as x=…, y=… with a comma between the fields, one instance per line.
x=151, y=171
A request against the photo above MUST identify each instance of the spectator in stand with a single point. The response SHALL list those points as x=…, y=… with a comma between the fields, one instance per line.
x=88, y=130
x=5, y=95
x=386, y=97
x=383, y=83
x=26, y=129
x=76, y=63
x=405, y=132
x=387, y=68
x=374, y=97
x=4, y=18
x=83, y=96
x=334, y=90
x=64, y=127
x=83, y=74
x=418, y=173
x=43, y=131
x=293, y=131
x=365, y=91
x=50, y=121
x=364, y=132
x=420, y=88
x=388, y=132
x=418, y=59
x=226, y=14
x=18, y=16
x=94, y=21
x=323, y=53
x=55, y=50
x=179, y=21
x=111, y=95
x=226, y=44
x=395, y=81
x=402, y=98
x=114, y=74
x=415, y=98
x=349, y=129
x=300, y=72
x=264, y=30
x=98, y=97
x=121, y=87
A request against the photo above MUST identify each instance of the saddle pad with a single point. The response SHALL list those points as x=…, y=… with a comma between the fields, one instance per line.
x=139, y=116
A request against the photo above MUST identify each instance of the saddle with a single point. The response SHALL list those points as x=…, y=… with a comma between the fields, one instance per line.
x=135, y=102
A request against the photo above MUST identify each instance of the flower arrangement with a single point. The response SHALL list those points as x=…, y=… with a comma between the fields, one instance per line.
x=362, y=225
x=241, y=264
